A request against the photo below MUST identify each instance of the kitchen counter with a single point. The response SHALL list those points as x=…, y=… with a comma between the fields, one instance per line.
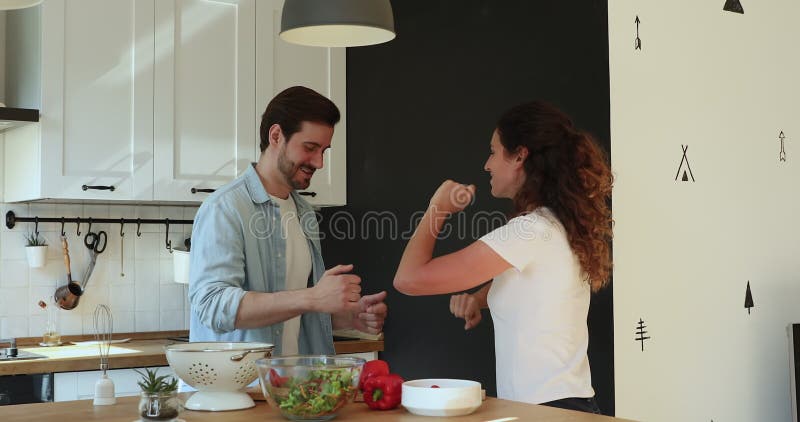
x=136, y=353
x=125, y=411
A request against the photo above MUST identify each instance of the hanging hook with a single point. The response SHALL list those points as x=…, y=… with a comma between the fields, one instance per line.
x=90, y=224
x=63, y=220
x=121, y=225
x=138, y=227
x=79, y=226
x=166, y=235
x=36, y=225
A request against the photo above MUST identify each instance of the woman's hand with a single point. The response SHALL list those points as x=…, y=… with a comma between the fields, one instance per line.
x=452, y=197
x=467, y=307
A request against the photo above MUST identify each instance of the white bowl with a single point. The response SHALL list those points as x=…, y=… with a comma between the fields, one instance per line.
x=219, y=371
x=453, y=397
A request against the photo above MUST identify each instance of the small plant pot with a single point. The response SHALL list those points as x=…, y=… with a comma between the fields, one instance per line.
x=37, y=256
x=159, y=406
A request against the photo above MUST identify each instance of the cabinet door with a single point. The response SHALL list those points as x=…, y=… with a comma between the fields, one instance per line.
x=97, y=99
x=204, y=95
x=280, y=65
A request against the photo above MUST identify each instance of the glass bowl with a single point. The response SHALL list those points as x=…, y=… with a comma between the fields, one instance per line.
x=309, y=388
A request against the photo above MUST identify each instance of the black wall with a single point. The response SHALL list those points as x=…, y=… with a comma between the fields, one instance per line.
x=421, y=109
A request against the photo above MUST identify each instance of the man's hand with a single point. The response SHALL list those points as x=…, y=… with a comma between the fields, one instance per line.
x=467, y=307
x=371, y=313
x=337, y=292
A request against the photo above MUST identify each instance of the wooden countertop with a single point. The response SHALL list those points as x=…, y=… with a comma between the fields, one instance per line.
x=133, y=354
x=126, y=410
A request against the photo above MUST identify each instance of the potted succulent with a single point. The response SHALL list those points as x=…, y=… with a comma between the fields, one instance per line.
x=35, y=250
x=158, y=400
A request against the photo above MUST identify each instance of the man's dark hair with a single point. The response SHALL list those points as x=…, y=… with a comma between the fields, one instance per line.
x=293, y=106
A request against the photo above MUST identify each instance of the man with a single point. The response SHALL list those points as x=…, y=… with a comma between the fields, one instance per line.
x=256, y=270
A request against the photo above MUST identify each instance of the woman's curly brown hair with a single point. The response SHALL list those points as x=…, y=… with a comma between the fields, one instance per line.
x=567, y=172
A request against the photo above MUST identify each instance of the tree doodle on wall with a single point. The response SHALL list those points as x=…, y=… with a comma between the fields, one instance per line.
x=640, y=332
x=782, y=154
x=637, y=45
x=685, y=177
x=748, y=298
x=733, y=6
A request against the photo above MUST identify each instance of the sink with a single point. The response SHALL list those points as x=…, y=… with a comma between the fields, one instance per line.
x=21, y=355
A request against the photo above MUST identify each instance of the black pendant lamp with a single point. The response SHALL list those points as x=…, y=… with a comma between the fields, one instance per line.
x=337, y=23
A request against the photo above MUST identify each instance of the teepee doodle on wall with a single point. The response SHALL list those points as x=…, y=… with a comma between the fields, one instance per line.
x=640, y=332
x=684, y=176
x=637, y=45
x=748, y=298
x=782, y=154
x=733, y=6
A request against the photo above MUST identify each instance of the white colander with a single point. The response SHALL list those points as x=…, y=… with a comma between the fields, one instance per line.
x=219, y=371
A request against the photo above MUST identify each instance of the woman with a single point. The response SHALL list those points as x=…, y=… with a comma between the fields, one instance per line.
x=544, y=262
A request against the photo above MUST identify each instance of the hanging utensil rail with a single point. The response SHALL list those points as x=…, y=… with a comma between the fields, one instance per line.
x=12, y=220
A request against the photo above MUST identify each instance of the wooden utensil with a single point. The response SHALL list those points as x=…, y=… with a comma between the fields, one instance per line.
x=67, y=296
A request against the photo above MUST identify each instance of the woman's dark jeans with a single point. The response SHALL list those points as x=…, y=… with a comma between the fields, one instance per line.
x=581, y=404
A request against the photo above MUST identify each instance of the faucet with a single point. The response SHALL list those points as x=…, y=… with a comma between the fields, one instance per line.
x=12, y=349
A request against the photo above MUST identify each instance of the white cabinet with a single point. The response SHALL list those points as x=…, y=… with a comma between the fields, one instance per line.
x=162, y=99
x=96, y=109
x=280, y=65
x=204, y=100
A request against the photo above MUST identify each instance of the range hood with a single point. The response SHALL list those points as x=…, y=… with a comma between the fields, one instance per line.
x=11, y=117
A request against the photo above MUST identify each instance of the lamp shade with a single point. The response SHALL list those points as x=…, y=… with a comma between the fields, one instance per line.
x=17, y=4
x=337, y=23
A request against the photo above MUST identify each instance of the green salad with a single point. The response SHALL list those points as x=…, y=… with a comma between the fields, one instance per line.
x=323, y=391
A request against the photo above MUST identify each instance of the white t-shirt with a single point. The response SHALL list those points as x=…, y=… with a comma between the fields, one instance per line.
x=539, y=308
x=298, y=267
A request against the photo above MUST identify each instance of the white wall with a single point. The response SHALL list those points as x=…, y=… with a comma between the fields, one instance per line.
x=145, y=299
x=724, y=84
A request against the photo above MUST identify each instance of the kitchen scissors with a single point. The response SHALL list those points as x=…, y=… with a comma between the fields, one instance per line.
x=96, y=242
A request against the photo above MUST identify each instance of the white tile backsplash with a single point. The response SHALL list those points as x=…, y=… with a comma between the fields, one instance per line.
x=14, y=273
x=146, y=321
x=121, y=297
x=166, y=274
x=14, y=326
x=146, y=293
x=12, y=245
x=147, y=246
x=171, y=320
x=124, y=322
x=145, y=299
x=171, y=297
x=50, y=275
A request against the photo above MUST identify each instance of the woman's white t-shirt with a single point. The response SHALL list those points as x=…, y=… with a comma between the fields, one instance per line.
x=539, y=308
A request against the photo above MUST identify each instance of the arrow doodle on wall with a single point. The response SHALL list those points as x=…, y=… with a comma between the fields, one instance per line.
x=685, y=177
x=748, y=298
x=782, y=154
x=640, y=333
x=733, y=6
x=637, y=45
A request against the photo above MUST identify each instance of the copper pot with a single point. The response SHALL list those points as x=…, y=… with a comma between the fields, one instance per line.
x=67, y=296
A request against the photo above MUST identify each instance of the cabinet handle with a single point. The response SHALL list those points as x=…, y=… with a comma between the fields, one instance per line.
x=86, y=187
x=311, y=194
x=195, y=190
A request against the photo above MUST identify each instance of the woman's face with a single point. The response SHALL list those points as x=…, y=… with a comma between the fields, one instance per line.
x=506, y=171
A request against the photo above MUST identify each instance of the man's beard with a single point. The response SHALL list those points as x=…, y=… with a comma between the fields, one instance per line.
x=289, y=169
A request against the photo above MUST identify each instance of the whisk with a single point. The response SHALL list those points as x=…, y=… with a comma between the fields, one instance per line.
x=103, y=327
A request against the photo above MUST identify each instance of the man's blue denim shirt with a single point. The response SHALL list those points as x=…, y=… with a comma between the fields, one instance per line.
x=237, y=247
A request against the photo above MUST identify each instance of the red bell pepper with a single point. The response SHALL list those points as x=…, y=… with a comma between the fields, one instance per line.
x=383, y=392
x=275, y=379
x=371, y=369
